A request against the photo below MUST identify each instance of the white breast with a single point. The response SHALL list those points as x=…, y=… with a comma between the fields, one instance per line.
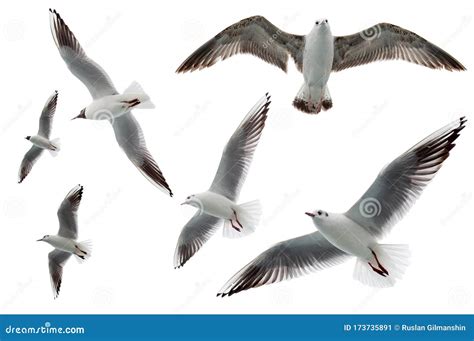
x=318, y=56
x=216, y=205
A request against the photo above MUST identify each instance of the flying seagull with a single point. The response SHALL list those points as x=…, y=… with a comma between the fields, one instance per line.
x=65, y=242
x=41, y=141
x=128, y=132
x=357, y=231
x=219, y=204
x=319, y=53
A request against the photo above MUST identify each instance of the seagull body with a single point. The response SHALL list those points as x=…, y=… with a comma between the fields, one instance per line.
x=65, y=242
x=106, y=102
x=112, y=106
x=357, y=232
x=318, y=53
x=219, y=205
x=41, y=141
x=214, y=204
x=317, y=63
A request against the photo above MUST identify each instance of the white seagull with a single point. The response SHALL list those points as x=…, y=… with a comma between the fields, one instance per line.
x=219, y=203
x=65, y=242
x=108, y=103
x=318, y=53
x=357, y=231
x=41, y=141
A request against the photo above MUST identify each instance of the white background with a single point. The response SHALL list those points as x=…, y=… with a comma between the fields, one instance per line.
x=303, y=162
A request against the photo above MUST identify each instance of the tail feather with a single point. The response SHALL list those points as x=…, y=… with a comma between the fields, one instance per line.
x=248, y=215
x=83, y=250
x=312, y=100
x=393, y=257
x=143, y=100
x=56, y=143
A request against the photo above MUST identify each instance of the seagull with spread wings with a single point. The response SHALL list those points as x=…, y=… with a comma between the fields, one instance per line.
x=128, y=132
x=357, y=231
x=41, y=141
x=218, y=205
x=65, y=242
x=318, y=53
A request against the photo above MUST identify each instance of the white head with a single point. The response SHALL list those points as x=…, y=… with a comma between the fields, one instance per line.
x=318, y=216
x=321, y=24
x=193, y=200
x=46, y=238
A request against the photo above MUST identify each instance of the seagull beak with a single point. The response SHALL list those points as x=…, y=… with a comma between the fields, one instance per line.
x=184, y=203
x=312, y=215
x=39, y=240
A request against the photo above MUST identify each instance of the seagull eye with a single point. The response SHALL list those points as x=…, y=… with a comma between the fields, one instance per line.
x=326, y=21
x=188, y=198
x=319, y=212
x=317, y=22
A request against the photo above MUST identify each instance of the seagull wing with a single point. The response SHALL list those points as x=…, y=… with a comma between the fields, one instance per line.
x=386, y=41
x=67, y=213
x=129, y=136
x=255, y=35
x=29, y=160
x=194, y=234
x=401, y=182
x=286, y=260
x=239, y=151
x=46, y=118
x=89, y=72
x=57, y=259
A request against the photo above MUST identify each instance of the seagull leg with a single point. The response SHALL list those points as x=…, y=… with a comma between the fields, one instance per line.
x=380, y=272
x=378, y=263
x=237, y=228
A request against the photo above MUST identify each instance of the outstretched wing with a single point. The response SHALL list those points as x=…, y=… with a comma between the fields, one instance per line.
x=57, y=259
x=46, y=118
x=67, y=213
x=239, y=151
x=386, y=41
x=255, y=35
x=89, y=72
x=29, y=160
x=400, y=183
x=129, y=136
x=194, y=234
x=286, y=260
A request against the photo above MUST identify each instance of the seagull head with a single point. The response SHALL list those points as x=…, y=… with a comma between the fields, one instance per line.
x=28, y=138
x=44, y=239
x=82, y=114
x=318, y=214
x=321, y=24
x=193, y=200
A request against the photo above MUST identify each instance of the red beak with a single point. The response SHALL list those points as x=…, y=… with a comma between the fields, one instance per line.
x=312, y=215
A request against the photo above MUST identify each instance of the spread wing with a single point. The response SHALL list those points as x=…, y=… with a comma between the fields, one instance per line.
x=129, y=136
x=57, y=259
x=85, y=69
x=286, y=260
x=29, y=160
x=194, y=234
x=255, y=35
x=239, y=151
x=67, y=213
x=400, y=183
x=46, y=118
x=386, y=41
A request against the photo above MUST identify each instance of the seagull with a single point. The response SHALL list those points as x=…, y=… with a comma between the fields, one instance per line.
x=357, y=231
x=219, y=204
x=41, y=141
x=318, y=53
x=108, y=103
x=65, y=242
